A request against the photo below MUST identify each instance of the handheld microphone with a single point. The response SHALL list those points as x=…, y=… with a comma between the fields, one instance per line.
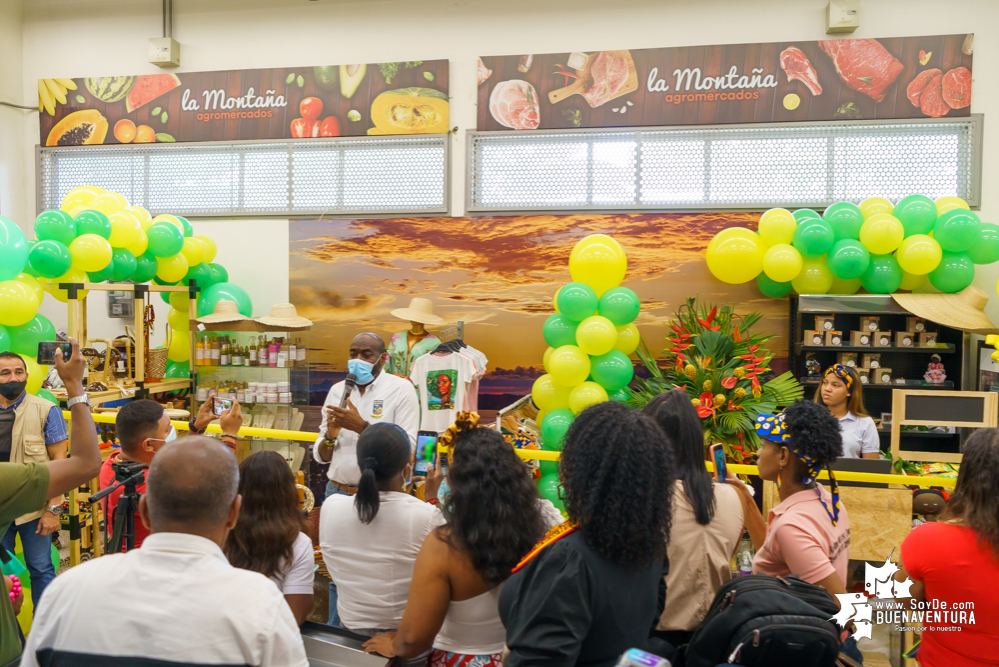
x=348, y=385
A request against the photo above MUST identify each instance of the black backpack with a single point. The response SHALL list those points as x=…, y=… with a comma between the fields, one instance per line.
x=764, y=621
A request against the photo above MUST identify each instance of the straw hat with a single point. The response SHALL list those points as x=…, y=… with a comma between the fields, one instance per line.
x=963, y=310
x=225, y=311
x=420, y=310
x=284, y=315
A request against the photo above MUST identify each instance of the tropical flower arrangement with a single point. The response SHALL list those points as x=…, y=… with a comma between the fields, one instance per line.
x=716, y=358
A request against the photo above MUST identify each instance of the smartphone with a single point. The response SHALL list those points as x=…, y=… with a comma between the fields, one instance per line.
x=426, y=447
x=221, y=405
x=638, y=658
x=46, y=352
x=718, y=458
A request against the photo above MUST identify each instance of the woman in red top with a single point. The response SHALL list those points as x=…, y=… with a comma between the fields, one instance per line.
x=955, y=561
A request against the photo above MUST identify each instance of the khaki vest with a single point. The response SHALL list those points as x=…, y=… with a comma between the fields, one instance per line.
x=27, y=442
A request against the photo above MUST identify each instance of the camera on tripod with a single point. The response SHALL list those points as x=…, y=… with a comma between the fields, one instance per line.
x=127, y=475
x=123, y=470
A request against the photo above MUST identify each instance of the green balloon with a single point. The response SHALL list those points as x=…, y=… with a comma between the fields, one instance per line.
x=56, y=226
x=957, y=230
x=548, y=468
x=845, y=218
x=620, y=305
x=612, y=371
x=813, y=237
x=955, y=272
x=13, y=249
x=883, y=275
x=92, y=222
x=188, y=229
x=228, y=292
x=805, y=214
x=620, y=396
x=124, y=264
x=164, y=295
x=848, y=259
x=772, y=288
x=917, y=213
x=577, y=301
x=201, y=274
x=840, y=286
x=554, y=427
x=219, y=274
x=4, y=339
x=559, y=330
x=548, y=487
x=27, y=265
x=178, y=369
x=986, y=249
x=47, y=395
x=165, y=239
x=145, y=268
x=103, y=274
x=50, y=259
x=24, y=339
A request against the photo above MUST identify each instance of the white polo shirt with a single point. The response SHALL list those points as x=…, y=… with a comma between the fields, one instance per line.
x=390, y=399
x=175, y=600
x=860, y=436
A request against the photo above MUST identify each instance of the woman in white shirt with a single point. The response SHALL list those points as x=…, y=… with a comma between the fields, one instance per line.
x=370, y=540
x=842, y=392
x=268, y=537
x=494, y=521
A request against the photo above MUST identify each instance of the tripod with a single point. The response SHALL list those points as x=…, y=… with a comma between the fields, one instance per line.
x=128, y=476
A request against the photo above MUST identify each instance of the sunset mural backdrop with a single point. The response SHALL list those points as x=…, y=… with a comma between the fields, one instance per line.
x=498, y=275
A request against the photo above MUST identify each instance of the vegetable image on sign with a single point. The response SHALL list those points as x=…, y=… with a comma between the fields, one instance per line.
x=410, y=111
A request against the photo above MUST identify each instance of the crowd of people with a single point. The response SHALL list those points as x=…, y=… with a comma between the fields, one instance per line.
x=479, y=571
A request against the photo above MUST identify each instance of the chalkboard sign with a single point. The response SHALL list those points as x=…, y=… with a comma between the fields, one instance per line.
x=940, y=408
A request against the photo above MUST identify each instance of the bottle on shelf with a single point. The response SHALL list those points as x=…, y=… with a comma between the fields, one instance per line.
x=224, y=352
x=282, y=360
x=246, y=357
x=272, y=352
x=237, y=356
x=292, y=353
x=199, y=352
x=253, y=351
x=300, y=361
x=262, y=351
x=216, y=351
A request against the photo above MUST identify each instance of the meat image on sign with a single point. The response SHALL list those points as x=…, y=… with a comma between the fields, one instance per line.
x=841, y=79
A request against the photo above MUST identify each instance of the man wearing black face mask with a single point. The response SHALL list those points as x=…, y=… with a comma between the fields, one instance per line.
x=32, y=430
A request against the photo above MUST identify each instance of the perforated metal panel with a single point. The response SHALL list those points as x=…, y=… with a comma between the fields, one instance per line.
x=345, y=176
x=724, y=166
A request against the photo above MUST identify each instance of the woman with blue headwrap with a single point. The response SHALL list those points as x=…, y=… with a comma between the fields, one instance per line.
x=842, y=392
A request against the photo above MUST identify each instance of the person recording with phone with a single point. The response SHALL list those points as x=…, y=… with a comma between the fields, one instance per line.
x=27, y=486
x=143, y=428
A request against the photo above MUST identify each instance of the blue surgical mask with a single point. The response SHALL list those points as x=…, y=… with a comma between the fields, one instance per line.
x=172, y=435
x=361, y=370
x=444, y=496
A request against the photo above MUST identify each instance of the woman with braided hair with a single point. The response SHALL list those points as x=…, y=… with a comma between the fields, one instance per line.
x=843, y=393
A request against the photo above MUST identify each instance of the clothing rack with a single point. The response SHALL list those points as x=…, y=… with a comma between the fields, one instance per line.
x=453, y=332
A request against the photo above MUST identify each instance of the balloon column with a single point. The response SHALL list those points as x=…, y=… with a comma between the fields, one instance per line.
x=97, y=236
x=875, y=245
x=590, y=337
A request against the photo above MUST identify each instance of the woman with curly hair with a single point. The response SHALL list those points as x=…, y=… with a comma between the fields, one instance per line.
x=494, y=519
x=269, y=537
x=590, y=590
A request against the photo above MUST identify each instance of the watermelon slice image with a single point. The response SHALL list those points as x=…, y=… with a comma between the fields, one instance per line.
x=148, y=87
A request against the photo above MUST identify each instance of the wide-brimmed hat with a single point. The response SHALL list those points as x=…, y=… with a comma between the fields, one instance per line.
x=964, y=310
x=420, y=310
x=225, y=311
x=284, y=315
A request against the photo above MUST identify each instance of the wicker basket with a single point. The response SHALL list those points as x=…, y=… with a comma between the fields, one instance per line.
x=156, y=368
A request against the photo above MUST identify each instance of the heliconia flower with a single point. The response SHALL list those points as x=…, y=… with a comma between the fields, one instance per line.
x=734, y=406
x=729, y=382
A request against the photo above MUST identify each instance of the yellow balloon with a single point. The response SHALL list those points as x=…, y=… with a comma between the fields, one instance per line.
x=882, y=234
x=554, y=298
x=33, y=283
x=81, y=196
x=90, y=252
x=125, y=230
x=911, y=282
x=731, y=233
x=74, y=275
x=36, y=373
x=77, y=210
x=180, y=349
x=628, y=339
x=138, y=247
x=601, y=265
x=875, y=206
x=171, y=269
x=781, y=262
x=569, y=365
x=544, y=361
x=736, y=259
x=595, y=335
x=18, y=303
x=595, y=239
x=210, y=248
x=142, y=215
x=945, y=204
x=547, y=394
x=777, y=226
x=180, y=320
x=586, y=394
x=845, y=286
x=815, y=276
x=919, y=254
x=109, y=202
x=181, y=302
x=194, y=251
x=166, y=217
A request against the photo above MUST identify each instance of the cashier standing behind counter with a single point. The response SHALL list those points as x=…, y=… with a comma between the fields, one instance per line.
x=842, y=392
x=378, y=398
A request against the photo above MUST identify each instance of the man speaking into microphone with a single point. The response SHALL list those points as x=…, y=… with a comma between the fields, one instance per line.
x=373, y=398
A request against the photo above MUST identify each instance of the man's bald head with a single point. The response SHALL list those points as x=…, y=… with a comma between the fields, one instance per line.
x=369, y=340
x=191, y=486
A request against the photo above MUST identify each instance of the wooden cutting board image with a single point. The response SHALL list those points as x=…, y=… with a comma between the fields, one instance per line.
x=585, y=80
